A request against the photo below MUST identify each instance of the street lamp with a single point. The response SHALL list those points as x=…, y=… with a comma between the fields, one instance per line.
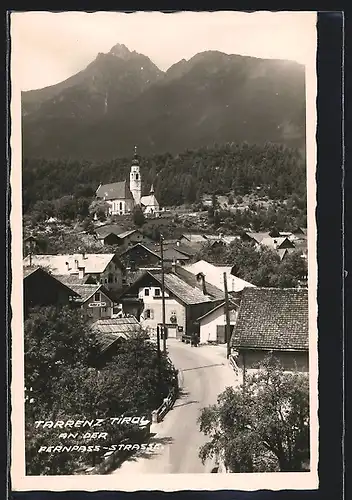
x=163, y=291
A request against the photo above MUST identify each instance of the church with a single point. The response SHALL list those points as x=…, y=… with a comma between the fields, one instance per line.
x=123, y=197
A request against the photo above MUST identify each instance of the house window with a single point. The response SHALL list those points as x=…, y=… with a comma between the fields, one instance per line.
x=146, y=292
x=105, y=309
x=110, y=278
x=97, y=297
x=105, y=280
x=120, y=205
x=157, y=292
x=137, y=177
x=148, y=314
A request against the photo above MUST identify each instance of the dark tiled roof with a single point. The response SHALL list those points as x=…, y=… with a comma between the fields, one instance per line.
x=29, y=271
x=114, y=191
x=103, y=231
x=182, y=290
x=192, y=281
x=85, y=291
x=187, y=250
x=182, y=285
x=272, y=318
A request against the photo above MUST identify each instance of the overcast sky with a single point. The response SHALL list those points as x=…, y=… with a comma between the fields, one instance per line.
x=54, y=46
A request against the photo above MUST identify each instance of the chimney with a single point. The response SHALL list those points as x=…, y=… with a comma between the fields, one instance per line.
x=84, y=255
x=81, y=270
x=178, y=243
x=76, y=263
x=202, y=277
x=173, y=266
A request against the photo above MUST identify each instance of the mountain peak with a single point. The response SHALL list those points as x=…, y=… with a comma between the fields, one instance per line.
x=120, y=50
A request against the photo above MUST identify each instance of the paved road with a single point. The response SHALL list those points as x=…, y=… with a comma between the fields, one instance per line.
x=204, y=373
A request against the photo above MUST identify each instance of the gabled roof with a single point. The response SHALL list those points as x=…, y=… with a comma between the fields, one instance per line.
x=272, y=319
x=59, y=264
x=258, y=237
x=103, y=231
x=114, y=191
x=183, y=286
x=184, y=248
x=140, y=245
x=30, y=271
x=214, y=274
x=127, y=233
x=112, y=329
x=87, y=291
x=194, y=238
x=213, y=291
x=149, y=201
x=276, y=243
x=232, y=306
x=185, y=292
x=170, y=252
x=74, y=279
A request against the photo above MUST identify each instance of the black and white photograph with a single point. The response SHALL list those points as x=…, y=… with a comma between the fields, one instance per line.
x=164, y=333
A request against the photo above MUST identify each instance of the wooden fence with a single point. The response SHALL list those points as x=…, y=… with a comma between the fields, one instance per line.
x=165, y=407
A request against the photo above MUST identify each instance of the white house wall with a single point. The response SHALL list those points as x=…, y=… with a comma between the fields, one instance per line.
x=95, y=311
x=208, y=325
x=172, y=307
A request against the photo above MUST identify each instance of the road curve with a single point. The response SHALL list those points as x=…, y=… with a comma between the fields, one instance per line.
x=204, y=373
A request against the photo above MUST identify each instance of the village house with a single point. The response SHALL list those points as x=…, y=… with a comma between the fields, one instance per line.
x=105, y=269
x=212, y=325
x=94, y=299
x=111, y=332
x=186, y=299
x=148, y=256
x=111, y=234
x=277, y=243
x=122, y=196
x=43, y=289
x=272, y=321
x=215, y=275
x=194, y=240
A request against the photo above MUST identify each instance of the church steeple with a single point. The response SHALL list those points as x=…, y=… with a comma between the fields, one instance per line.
x=135, y=179
x=152, y=189
x=135, y=160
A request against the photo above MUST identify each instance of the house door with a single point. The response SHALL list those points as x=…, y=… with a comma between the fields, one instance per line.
x=221, y=336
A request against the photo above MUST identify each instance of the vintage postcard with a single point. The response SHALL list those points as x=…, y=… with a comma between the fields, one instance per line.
x=164, y=274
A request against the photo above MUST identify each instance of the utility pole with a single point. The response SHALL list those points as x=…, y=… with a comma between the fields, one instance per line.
x=163, y=291
x=158, y=346
x=227, y=314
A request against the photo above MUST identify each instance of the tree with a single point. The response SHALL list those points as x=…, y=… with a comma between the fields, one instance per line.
x=88, y=225
x=100, y=208
x=292, y=270
x=138, y=216
x=54, y=337
x=67, y=379
x=260, y=426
